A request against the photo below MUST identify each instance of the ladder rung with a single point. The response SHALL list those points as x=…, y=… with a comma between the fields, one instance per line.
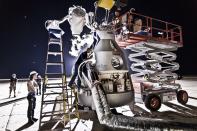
x=52, y=115
x=51, y=112
x=54, y=63
x=55, y=31
x=53, y=120
x=55, y=43
x=54, y=84
x=59, y=113
x=55, y=101
x=49, y=87
x=55, y=53
x=67, y=105
x=55, y=115
x=54, y=93
x=47, y=103
x=54, y=73
x=61, y=100
x=54, y=40
x=58, y=102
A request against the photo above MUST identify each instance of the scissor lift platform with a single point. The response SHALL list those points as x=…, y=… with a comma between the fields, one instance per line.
x=152, y=59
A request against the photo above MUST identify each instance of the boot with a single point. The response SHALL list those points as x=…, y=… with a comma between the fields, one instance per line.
x=34, y=119
x=30, y=121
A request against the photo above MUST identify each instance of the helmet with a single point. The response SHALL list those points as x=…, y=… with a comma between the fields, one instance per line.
x=13, y=75
x=39, y=76
x=32, y=73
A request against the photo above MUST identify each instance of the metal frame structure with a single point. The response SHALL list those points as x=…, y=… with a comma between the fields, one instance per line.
x=57, y=98
x=151, y=57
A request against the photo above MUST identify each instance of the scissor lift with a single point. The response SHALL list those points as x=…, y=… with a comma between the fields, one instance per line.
x=152, y=60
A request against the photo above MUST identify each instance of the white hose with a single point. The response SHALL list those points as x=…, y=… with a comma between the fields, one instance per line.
x=106, y=117
x=86, y=61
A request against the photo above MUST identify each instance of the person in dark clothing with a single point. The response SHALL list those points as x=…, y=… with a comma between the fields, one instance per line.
x=39, y=81
x=31, y=86
x=13, y=81
x=83, y=56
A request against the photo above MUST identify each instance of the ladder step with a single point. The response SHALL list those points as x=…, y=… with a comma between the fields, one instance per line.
x=52, y=115
x=54, y=40
x=58, y=93
x=62, y=113
x=49, y=87
x=53, y=84
x=54, y=63
x=54, y=43
x=54, y=93
x=51, y=112
x=54, y=53
x=54, y=31
x=55, y=101
x=54, y=73
x=67, y=106
x=51, y=102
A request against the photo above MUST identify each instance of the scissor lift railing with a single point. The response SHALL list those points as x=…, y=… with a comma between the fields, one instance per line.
x=170, y=31
x=158, y=30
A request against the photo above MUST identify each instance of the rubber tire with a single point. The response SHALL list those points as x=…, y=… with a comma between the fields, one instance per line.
x=180, y=99
x=149, y=99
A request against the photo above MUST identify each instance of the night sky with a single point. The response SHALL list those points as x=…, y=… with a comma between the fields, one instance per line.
x=24, y=37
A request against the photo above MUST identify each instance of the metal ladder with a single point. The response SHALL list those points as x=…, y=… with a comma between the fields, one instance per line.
x=57, y=97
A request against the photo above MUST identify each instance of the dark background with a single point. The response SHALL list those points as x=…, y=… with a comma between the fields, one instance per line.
x=23, y=37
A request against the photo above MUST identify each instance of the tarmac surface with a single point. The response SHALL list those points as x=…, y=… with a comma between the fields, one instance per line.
x=13, y=111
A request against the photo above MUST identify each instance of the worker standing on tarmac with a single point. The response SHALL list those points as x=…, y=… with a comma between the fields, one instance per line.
x=32, y=87
x=13, y=81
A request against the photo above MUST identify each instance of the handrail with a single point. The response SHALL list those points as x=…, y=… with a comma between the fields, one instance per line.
x=154, y=18
x=170, y=31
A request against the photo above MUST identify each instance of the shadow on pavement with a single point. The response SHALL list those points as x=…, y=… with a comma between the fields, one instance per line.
x=26, y=125
x=6, y=98
x=184, y=110
x=193, y=98
x=191, y=107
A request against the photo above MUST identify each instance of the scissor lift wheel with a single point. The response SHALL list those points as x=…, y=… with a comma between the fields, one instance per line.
x=153, y=102
x=182, y=97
